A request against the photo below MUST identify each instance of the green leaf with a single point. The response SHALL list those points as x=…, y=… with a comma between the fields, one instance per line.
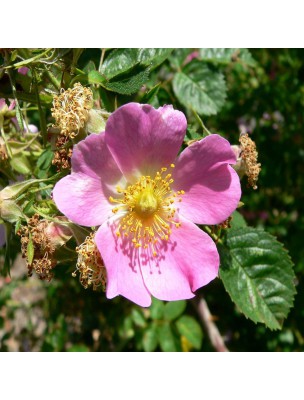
x=120, y=61
x=238, y=221
x=257, y=273
x=150, y=338
x=191, y=329
x=192, y=134
x=94, y=77
x=174, y=309
x=90, y=66
x=157, y=309
x=150, y=95
x=227, y=56
x=166, y=338
x=126, y=330
x=129, y=85
x=138, y=317
x=199, y=88
x=30, y=250
x=153, y=57
x=21, y=164
x=45, y=159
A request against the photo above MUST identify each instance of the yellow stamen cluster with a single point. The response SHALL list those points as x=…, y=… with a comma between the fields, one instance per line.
x=90, y=265
x=71, y=109
x=147, y=209
x=249, y=157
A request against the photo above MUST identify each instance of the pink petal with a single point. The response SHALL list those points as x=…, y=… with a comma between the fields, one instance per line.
x=123, y=272
x=83, y=199
x=23, y=70
x=12, y=105
x=143, y=139
x=188, y=261
x=92, y=157
x=212, y=188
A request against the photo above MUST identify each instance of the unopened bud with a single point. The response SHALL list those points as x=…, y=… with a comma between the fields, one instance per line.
x=97, y=120
x=57, y=233
x=10, y=211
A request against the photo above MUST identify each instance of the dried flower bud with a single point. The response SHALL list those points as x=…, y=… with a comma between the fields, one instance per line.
x=249, y=155
x=71, y=109
x=90, y=265
x=63, y=153
x=247, y=160
x=39, y=240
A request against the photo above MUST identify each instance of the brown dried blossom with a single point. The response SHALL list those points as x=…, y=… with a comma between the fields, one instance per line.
x=249, y=157
x=90, y=265
x=71, y=109
x=41, y=261
x=63, y=154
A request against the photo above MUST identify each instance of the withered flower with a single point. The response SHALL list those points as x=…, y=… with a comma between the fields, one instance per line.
x=90, y=265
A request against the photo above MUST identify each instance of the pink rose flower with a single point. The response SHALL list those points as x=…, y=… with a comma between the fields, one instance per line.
x=146, y=199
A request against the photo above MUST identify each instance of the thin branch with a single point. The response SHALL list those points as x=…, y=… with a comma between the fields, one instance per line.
x=211, y=329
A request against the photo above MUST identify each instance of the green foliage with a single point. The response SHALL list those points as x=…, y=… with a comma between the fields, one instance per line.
x=227, y=56
x=150, y=338
x=199, y=88
x=237, y=221
x=191, y=330
x=257, y=273
x=174, y=309
x=129, y=84
x=121, y=61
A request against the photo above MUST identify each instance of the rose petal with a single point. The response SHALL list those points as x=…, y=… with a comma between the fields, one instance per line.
x=212, y=188
x=92, y=157
x=188, y=261
x=83, y=199
x=121, y=261
x=143, y=139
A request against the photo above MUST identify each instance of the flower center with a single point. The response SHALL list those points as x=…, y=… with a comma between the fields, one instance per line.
x=147, y=209
x=146, y=203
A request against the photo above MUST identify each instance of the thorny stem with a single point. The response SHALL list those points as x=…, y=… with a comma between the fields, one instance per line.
x=211, y=329
x=53, y=79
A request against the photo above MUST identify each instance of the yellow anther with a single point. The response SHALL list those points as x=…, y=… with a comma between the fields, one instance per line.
x=147, y=210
